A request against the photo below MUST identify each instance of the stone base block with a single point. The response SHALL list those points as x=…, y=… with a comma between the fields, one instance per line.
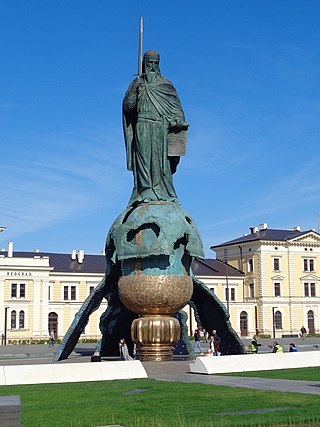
x=71, y=372
x=254, y=362
x=10, y=411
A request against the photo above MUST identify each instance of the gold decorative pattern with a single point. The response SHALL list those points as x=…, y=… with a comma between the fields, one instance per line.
x=155, y=294
x=155, y=337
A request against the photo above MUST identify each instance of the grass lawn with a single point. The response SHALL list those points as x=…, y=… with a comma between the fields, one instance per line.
x=304, y=374
x=161, y=404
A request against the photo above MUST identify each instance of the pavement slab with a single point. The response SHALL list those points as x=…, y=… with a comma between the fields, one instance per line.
x=179, y=371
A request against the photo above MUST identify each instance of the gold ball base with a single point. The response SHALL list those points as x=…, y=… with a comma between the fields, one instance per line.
x=155, y=337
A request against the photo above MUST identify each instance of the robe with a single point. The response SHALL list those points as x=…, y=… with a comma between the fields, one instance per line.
x=147, y=115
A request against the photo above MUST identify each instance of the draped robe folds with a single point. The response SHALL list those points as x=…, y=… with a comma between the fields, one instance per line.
x=146, y=117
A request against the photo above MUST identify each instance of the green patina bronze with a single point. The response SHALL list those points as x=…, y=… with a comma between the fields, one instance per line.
x=155, y=136
x=155, y=131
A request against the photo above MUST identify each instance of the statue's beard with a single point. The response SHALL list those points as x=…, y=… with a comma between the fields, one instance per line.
x=152, y=76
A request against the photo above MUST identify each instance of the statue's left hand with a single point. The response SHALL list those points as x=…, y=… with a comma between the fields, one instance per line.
x=177, y=122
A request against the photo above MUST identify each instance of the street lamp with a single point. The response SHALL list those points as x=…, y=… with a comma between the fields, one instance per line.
x=5, y=325
x=225, y=260
x=273, y=321
x=5, y=309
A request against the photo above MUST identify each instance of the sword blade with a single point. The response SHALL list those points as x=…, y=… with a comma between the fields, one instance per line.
x=140, y=47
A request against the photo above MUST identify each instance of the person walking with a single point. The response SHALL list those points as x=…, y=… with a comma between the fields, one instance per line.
x=51, y=335
x=254, y=346
x=215, y=343
x=303, y=332
x=197, y=341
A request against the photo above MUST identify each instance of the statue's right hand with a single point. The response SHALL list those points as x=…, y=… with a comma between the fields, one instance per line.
x=136, y=83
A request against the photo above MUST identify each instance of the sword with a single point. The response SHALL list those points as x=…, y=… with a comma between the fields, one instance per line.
x=140, y=48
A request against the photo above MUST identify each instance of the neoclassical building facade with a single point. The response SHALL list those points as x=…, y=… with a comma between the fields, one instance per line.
x=41, y=291
x=269, y=280
x=282, y=279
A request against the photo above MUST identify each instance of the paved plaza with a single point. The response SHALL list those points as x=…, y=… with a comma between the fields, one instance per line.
x=176, y=370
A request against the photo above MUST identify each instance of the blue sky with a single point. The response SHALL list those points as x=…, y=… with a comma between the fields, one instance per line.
x=247, y=74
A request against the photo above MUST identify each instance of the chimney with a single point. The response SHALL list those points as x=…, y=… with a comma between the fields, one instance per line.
x=297, y=228
x=10, y=249
x=37, y=251
x=263, y=226
x=80, y=256
x=103, y=253
x=73, y=254
x=253, y=229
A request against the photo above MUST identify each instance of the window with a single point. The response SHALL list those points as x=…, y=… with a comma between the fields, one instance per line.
x=13, y=319
x=309, y=289
x=251, y=290
x=18, y=290
x=49, y=292
x=14, y=287
x=250, y=265
x=277, y=289
x=22, y=290
x=232, y=294
x=276, y=264
x=308, y=264
x=278, y=320
x=21, y=320
x=70, y=293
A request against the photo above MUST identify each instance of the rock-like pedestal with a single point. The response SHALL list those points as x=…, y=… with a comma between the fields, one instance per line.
x=155, y=243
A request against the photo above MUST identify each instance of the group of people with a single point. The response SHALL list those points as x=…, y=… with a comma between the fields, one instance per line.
x=214, y=345
x=214, y=342
x=276, y=347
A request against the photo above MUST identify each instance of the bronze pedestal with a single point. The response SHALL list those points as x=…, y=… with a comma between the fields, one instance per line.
x=155, y=298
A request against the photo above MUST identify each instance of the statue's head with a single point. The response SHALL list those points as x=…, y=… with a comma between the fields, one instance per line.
x=151, y=60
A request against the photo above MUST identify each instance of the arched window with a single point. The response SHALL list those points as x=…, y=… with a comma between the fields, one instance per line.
x=278, y=320
x=13, y=319
x=243, y=323
x=21, y=319
x=311, y=328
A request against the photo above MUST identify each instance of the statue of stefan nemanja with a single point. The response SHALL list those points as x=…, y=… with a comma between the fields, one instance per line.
x=152, y=117
x=151, y=246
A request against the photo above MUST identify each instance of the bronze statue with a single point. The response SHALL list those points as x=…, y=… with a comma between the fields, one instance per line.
x=151, y=245
x=152, y=117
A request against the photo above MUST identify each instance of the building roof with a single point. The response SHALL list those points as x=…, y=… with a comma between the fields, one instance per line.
x=93, y=264
x=96, y=264
x=265, y=234
x=214, y=267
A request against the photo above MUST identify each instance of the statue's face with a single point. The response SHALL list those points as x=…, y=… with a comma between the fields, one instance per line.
x=152, y=65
